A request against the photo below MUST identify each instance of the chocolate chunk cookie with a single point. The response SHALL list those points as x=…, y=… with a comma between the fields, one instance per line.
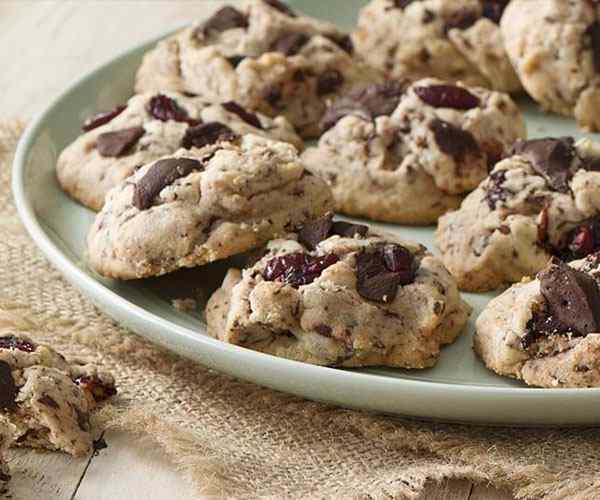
x=546, y=331
x=6, y=437
x=455, y=40
x=341, y=294
x=554, y=46
x=200, y=205
x=117, y=142
x=46, y=400
x=408, y=154
x=264, y=56
x=540, y=202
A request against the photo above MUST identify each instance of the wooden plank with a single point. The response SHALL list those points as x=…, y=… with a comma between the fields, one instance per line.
x=447, y=490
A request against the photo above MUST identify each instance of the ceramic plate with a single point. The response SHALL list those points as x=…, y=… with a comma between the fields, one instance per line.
x=459, y=388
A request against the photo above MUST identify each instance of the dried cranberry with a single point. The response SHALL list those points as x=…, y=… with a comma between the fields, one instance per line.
x=447, y=96
x=99, y=390
x=249, y=118
x=164, y=108
x=297, y=269
x=103, y=118
x=13, y=342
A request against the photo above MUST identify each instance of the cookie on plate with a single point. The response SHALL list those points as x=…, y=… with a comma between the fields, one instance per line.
x=540, y=202
x=554, y=46
x=409, y=154
x=546, y=331
x=456, y=40
x=117, y=142
x=46, y=399
x=201, y=205
x=264, y=56
x=341, y=294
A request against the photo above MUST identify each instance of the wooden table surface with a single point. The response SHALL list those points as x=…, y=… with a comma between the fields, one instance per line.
x=45, y=46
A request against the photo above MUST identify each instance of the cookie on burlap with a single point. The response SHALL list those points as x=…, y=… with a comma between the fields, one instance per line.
x=546, y=331
x=541, y=201
x=341, y=294
x=554, y=46
x=264, y=56
x=47, y=400
x=117, y=142
x=6, y=437
x=409, y=154
x=456, y=40
x=201, y=205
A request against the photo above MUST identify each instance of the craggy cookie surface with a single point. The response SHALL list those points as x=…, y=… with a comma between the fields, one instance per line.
x=197, y=206
x=542, y=201
x=408, y=154
x=5, y=439
x=456, y=40
x=341, y=294
x=117, y=142
x=264, y=56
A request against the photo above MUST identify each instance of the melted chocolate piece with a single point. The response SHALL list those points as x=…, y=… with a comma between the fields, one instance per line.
x=16, y=343
x=313, y=232
x=224, y=19
x=119, y=142
x=206, y=134
x=160, y=175
x=8, y=388
x=453, y=140
x=290, y=44
x=297, y=269
x=447, y=96
x=281, y=7
x=348, y=230
x=249, y=118
x=103, y=118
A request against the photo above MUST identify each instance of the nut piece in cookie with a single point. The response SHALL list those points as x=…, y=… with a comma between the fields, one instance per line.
x=409, y=153
x=116, y=143
x=456, y=40
x=340, y=294
x=201, y=205
x=541, y=201
x=546, y=331
x=46, y=400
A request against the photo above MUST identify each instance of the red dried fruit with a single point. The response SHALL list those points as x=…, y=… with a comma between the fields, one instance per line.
x=447, y=96
x=495, y=192
x=13, y=342
x=249, y=118
x=102, y=118
x=99, y=390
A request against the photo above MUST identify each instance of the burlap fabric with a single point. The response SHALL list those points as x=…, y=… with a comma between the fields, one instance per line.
x=237, y=440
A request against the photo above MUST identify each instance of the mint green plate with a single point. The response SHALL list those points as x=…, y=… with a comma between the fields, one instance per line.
x=459, y=388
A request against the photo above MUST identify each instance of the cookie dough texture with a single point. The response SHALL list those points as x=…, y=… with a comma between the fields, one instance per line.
x=240, y=195
x=47, y=401
x=328, y=322
x=554, y=46
x=392, y=168
x=6, y=436
x=517, y=218
x=87, y=175
x=249, y=64
x=558, y=360
x=448, y=39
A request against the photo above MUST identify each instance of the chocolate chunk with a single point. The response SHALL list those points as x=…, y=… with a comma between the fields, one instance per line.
x=103, y=118
x=555, y=159
x=366, y=103
x=160, y=175
x=344, y=42
x=461, y=20
x=348, y=230
x=206, y=134
x=329, y=81
x=48, y=401
x=401, y=4
x=96, y=387
x=453, y=140
x=297, y=269
x=281, y=7
x=493, y=9
x=8, y=388
x=495, y=192
x=15, y=343
x=593, y=32
x=164, y=108
x=235, y=60
x=399, y=260
x=494, y=152
x=447, y=96
x=272, y=95
x=313, y=232
x=119, y=142
x=224, y=19
x=249, y=118
x=290, y=43
x=572, y=298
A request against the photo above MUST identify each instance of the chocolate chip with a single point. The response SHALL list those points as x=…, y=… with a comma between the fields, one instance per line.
x=461, y=20
x=224, y=19
x=119, y=142
x=297, y=269
x=399, y=260
x=344, y=42
x=593, y=32
x=367, y=103
x=401, y=4
x=290, y=43
x=165, y=108
x=103, y=118
x=554, y=159
x=160, y=175
x=8, y=388
x=313, y=232
x=281, y=7
x=235, y=60
x=206, y=134
x=495, y=192
x=454, y=141
x=16, y=343
x=447, y=96
x=249, y=118
x=48, y=401
x=329, y=81
x=493, y=9
x=348, y=230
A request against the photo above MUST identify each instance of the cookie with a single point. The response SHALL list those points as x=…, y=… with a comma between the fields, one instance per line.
x=117, y=142
x=554, y=46
x=264, y=56
x=540, y=202
x=201, y=205
x=341, y=294
x=409, y=154
x=6, y=436
x=546, y=331
x=455, y=40
x=46, y=399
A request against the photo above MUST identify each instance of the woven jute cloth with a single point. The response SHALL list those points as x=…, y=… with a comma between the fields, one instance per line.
x=237, y=440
